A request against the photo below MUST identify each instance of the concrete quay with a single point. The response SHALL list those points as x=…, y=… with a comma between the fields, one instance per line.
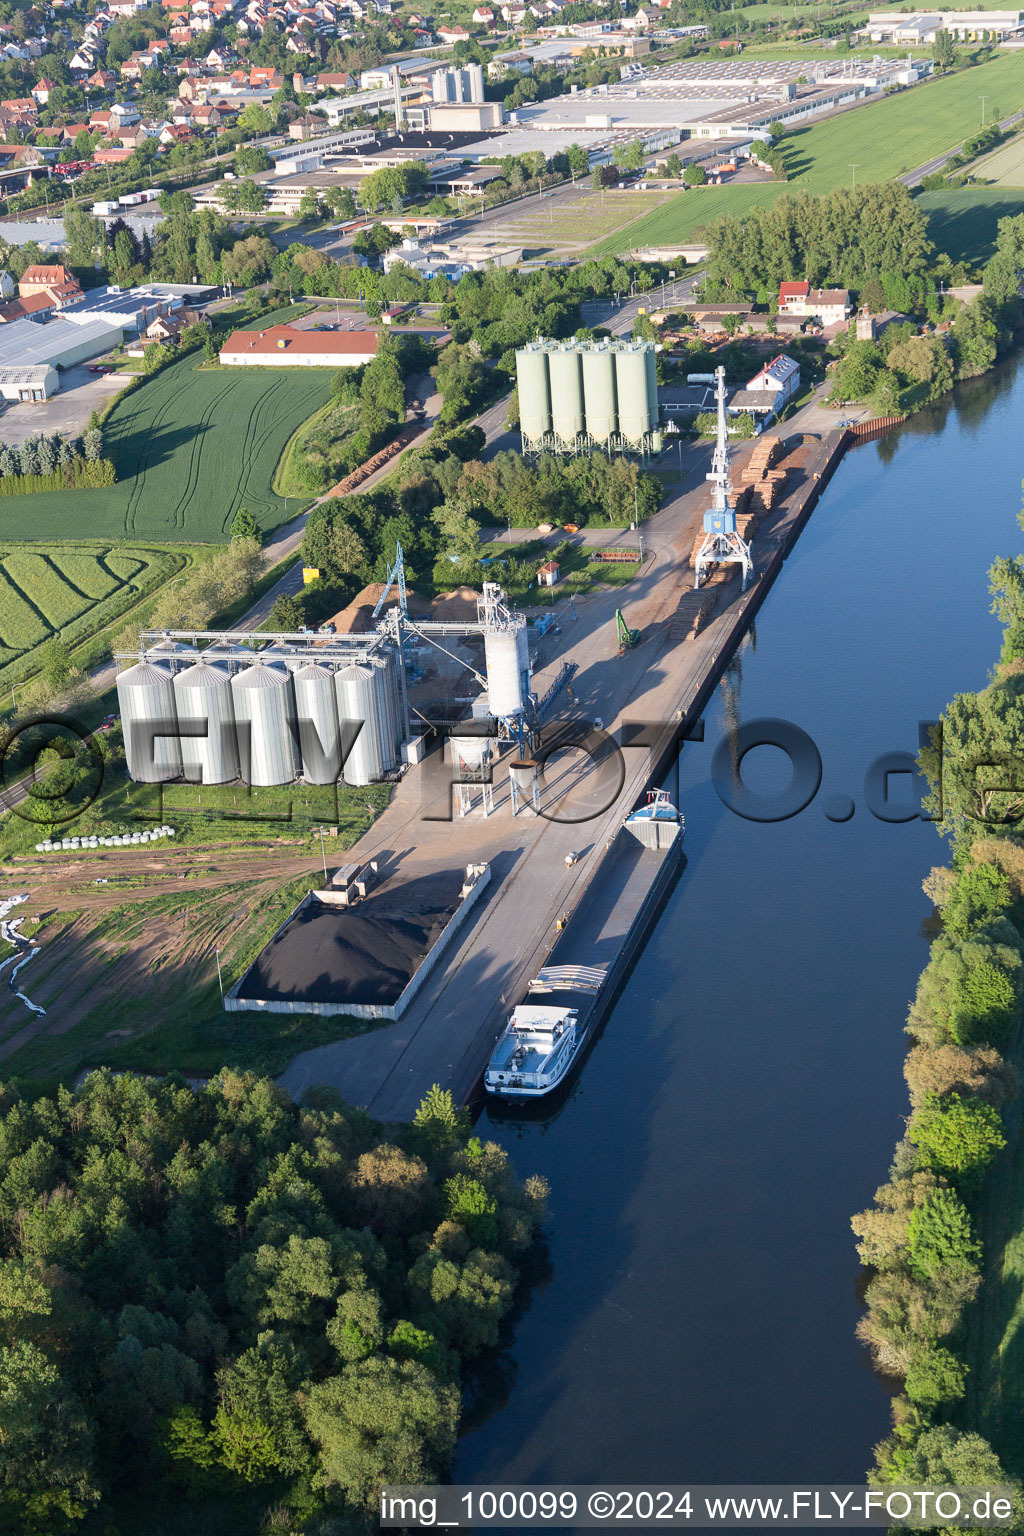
x=447, y=1034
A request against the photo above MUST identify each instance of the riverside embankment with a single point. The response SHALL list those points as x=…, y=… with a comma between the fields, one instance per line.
x=697, y=1320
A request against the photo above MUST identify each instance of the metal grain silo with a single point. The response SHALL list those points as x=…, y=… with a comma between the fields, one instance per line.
x=651, y=366
x=316, y=709
x=534, y=393
x=145, y=697
x=357, y=701
x=385, y=713
x=264, y=702
x=566, y=382
x=599, y=392
x=523, y=656
x=390, y=695
x=203, y=695
x=504, y=678
x=631, y=389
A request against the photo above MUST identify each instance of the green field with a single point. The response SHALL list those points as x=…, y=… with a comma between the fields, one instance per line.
x=883, y=139
x=1006, y=167
x=73, y=589
x=191, y=446
x=963, y=220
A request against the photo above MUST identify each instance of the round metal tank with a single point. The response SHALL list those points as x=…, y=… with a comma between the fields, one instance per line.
x=264, y=701
x=631, y=389
x=651, y=364
x=566, y=381
x=357, y=700
x=203, y=693
x=534, y=393
x=523, y=657
x=385, y=714
x=145, y=697
x=395, y=731
x=316, y=709
x=470, y=754
x=599, y=393
x=504, y=684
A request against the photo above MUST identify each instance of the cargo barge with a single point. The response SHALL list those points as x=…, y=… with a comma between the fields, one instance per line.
x=546, y=1036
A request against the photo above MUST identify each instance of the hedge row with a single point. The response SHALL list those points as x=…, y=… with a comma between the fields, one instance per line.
x=79, y=475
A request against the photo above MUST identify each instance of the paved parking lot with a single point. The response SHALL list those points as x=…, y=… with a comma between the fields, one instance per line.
x=68, y=412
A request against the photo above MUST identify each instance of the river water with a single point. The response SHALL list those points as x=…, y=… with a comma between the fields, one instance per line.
x=697, y=1319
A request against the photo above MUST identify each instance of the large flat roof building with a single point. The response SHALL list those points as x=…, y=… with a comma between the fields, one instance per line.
x=921, y=26
x=57, y=342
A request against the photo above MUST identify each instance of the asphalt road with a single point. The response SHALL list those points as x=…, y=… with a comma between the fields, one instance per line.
x=915, y=177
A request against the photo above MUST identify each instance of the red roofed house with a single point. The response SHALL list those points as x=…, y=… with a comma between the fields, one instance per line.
x=41, y=91
x=284, y=346
x=41, y=279
x=792, y=297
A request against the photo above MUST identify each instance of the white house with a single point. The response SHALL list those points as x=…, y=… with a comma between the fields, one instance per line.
x=829, y=305
x=780, y=377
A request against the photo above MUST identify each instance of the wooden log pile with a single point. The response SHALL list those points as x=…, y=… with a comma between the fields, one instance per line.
x=692, y=613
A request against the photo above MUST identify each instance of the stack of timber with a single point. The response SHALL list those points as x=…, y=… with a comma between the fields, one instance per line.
x=692, y=612
x=761, y=460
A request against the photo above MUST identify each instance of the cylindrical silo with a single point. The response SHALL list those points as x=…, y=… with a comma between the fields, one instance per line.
x=203, y=694
x=393, y=697
x=357, y=702
x=385, y=713
x=149, y=719
x=566, y=382
x=599, y=392
x=523, y=657
x=651, y=366
x=264, y=702
x=316, y=709
x=631, y=389
x=534, y=394
x=504, y=682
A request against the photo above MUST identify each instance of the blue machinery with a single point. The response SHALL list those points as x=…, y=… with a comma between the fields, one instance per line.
x=721, y=544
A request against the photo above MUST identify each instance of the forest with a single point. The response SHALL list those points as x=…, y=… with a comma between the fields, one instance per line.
x=213, y=1298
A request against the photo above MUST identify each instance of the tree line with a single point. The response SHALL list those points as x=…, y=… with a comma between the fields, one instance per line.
x=220, y=1298
x=921, y=1240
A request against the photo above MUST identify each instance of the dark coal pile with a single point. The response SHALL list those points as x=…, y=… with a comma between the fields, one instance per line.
x=362, y=954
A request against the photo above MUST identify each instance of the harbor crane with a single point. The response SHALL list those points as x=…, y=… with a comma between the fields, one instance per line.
x=721, y=543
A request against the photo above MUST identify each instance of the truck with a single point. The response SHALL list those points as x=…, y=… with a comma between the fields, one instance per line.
x=107, y=206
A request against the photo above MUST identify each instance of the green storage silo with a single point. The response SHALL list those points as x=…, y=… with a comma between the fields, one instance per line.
x=566, y=381
x=650, y=360
x=632, y=389
x=599, y=392
x=534, y=394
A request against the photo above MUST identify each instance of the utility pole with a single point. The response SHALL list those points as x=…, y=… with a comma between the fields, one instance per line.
x=853, y=169
x=220, y=978
x=983, y=100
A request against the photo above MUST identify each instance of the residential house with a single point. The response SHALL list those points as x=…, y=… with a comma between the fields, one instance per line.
x=69, y=133
x=55, y=283
x=483, y=15
x=830, y=306
x=453, y=34
x=101, y=80
x=174, y=133
x=207, y=116
x=336, y=81
x=167, y=328
x=780, y=377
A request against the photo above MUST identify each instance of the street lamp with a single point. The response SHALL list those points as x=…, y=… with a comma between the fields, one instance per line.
x=220, y=978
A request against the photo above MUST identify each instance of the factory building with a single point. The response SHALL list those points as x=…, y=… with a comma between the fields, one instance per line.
x=56, y=343
x=218, y=707
x=451, y=85
x=575, y=397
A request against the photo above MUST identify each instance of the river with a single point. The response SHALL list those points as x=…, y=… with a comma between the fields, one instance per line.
x=696, y=1322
